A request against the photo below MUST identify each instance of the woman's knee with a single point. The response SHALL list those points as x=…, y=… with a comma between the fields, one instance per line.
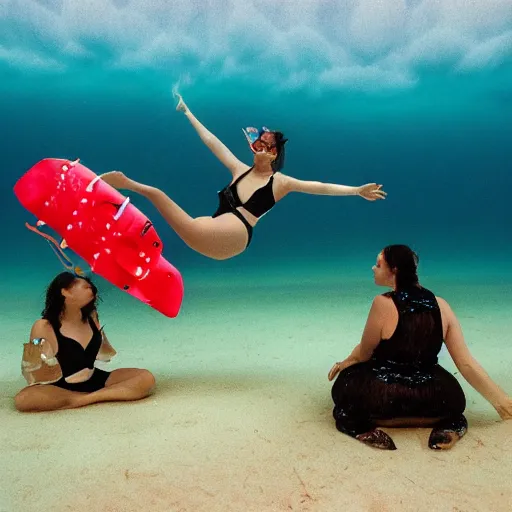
x=24, y=401
x=44, y=398
x=135, y=378
x=147, y=380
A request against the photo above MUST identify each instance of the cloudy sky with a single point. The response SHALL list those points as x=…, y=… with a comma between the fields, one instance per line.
x=299, y=44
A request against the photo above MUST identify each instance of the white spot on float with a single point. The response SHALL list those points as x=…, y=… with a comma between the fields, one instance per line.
x=96, y=256
x=108, y=226
x=62, y=176
x=142, y=254
x=107, y=250
x=103, y=238
x=46, y=203
x=64, y=168
x=138, y=272
x=80, y=224
x=70, y=227
x=75, y=212
x=84, y=200
x=148, y=260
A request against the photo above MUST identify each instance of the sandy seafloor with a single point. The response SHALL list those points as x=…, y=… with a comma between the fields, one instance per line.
x=240, y=419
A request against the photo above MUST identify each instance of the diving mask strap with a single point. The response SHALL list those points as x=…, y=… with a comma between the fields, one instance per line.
x=55, y=246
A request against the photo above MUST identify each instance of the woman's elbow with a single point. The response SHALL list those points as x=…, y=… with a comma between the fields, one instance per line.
x=365, y=355
x=465, y=366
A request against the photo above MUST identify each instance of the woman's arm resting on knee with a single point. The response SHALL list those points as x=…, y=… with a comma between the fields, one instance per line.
x=469, y=368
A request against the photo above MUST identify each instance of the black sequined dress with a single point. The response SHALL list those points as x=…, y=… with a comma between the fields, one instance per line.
x=403, y=378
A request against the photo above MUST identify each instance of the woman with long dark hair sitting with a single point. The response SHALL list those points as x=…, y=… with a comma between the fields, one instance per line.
x=392, y=377
x=59, y=359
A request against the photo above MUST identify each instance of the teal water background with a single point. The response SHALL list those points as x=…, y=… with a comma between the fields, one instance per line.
x=437, y=134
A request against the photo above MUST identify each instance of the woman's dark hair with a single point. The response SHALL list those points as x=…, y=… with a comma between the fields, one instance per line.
x=54, y=304
x=404, y=261
x=278, y=163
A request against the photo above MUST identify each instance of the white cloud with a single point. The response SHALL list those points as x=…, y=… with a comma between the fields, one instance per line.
x=366, y=78
x=438, y=46
x=488, y=54
x=376, y=25
x=298, y=44
x=21, y=59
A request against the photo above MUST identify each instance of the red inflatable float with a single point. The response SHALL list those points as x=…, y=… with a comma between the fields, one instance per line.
x=101, y=225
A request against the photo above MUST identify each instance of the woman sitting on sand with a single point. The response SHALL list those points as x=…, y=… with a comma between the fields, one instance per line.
x=392, y=377
x=58, y=362
x=253, y=191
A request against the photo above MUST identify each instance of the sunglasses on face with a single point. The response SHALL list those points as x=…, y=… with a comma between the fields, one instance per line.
x=253, y=136
x=261, y=144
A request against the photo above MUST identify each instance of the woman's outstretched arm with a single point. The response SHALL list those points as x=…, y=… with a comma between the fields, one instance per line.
x=212, y=142
x=469, y=367
x=370, y=191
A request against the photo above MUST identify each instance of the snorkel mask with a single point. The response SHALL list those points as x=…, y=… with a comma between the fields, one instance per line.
x=253, y=135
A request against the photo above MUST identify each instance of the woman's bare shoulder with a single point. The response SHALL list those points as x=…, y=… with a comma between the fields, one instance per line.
x=41, y=325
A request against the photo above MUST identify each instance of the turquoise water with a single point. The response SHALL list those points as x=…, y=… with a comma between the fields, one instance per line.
x=413, y=94
x=400, y=95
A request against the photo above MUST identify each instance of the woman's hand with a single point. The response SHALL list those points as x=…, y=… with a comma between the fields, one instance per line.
x=181, y=106
x=39, y=364
x=371, y=192
x=504, y=408
x=32, y=357
x=339, y=366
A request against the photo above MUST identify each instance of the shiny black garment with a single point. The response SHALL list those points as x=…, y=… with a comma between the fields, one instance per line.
x=402, y=379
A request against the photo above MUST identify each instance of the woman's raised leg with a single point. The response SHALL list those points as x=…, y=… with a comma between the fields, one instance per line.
x=218, y=238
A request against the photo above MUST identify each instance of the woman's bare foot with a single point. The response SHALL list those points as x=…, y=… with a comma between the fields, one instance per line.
x=117, y=179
